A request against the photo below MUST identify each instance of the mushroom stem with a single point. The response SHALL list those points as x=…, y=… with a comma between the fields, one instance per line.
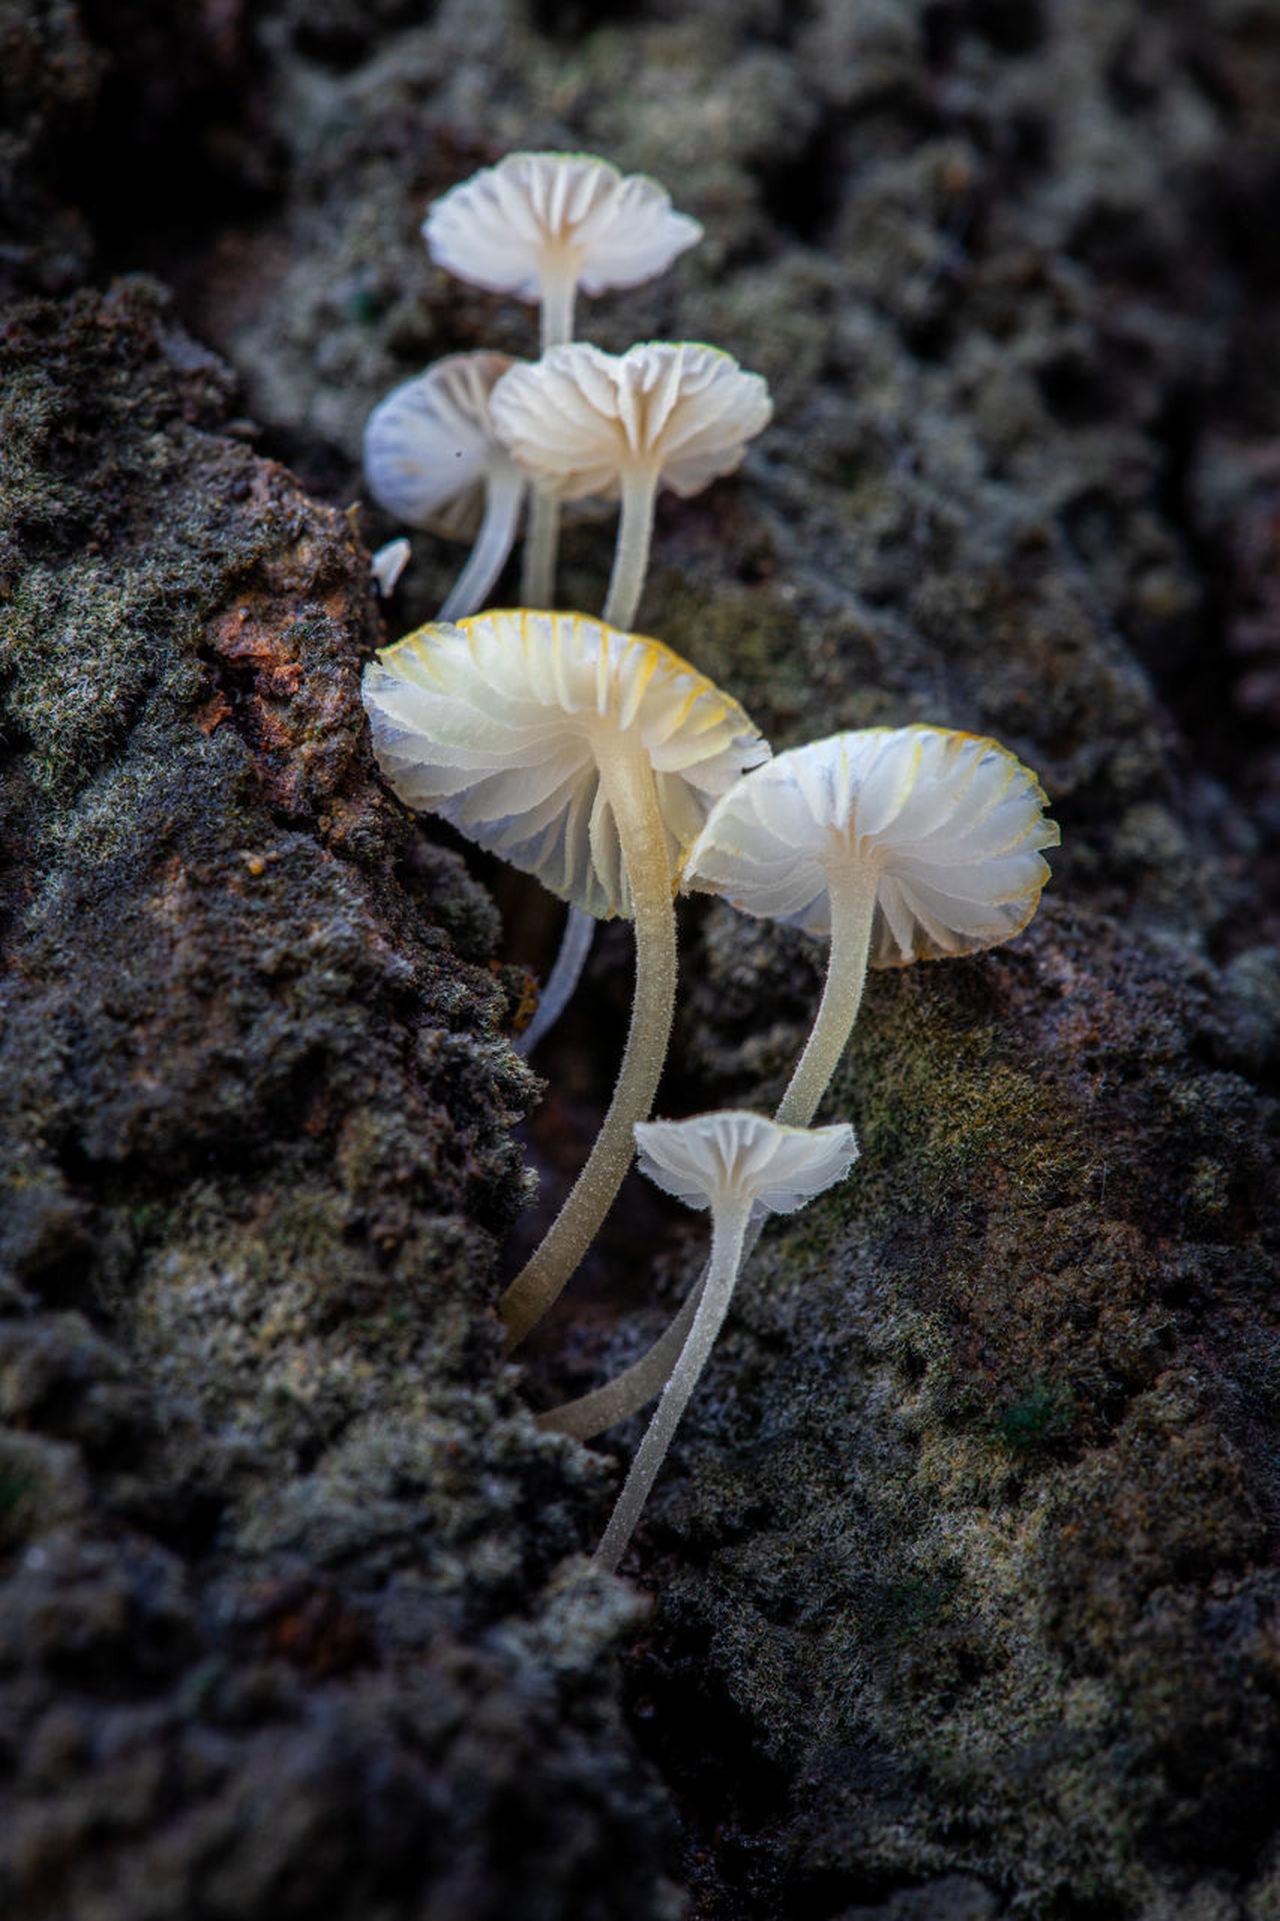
x=631, y=555
x=541, y=540
x=729, y=1218
x=493, y=544
x=566, y=971
x=853, y=904
x=542, y=536
x=627, y=782
x=590, y=1414
x=559, y=293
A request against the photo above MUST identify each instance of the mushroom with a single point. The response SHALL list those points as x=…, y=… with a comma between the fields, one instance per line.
x=589, y=758
x=431, y=458
x=663, y=414
x=742, y=1167
x=541, y=225
x=903, y=844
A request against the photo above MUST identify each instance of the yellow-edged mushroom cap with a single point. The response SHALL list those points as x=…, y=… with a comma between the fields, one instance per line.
x=509, y=226
x=710, y=1158
x=430, y=452
x=953, y=825
x=499, y=723
x=579, y=420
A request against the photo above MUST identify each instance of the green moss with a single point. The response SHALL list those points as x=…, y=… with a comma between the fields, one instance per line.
x=1043, y=1415
x=14, y=1489
x=935, y=1091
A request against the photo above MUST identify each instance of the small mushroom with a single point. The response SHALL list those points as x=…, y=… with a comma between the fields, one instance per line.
x=431, y=458
x=541, y=225
x=901, y=844
x=589, y=758
x=742, y=1167
x=664, y=414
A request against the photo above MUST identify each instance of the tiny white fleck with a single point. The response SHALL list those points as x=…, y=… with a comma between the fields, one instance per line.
x=389, y=563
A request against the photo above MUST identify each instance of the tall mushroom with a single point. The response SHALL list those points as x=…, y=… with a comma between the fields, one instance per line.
x=590, y=422
x=541, y=226
x=901, y=844
x=664, y=414
x=741, y=1167
x=589, y=758
x=431, y=458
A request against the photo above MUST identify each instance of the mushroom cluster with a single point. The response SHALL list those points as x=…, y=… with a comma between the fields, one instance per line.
x=463, y=450
x=607, y=766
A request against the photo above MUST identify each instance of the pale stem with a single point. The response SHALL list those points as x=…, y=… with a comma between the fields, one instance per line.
x=559, y=292
x=853, y=905
x=626, y=776
x=631, y=555
x=729, y=1223
x=590, y=1414
x=566, y=972
x=542, y=536
x=541, y=540
x=853, y=900
x=493, y=543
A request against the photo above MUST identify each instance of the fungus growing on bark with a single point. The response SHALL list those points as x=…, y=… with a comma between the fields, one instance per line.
x=591, y=759
x=539, y=226
x=664, y=414
x=742, y=1167
x=900, y=844
x=431, y=458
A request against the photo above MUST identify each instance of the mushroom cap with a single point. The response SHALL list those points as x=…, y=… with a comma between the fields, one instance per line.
x=578, y=419
x=711, y=1157
x=501, y=228
x=952, y=822
x=430, y=448
x=499, y=724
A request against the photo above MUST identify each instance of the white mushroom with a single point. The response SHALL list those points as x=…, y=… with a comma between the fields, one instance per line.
x=587, y=757
x=741, y=1167
x=431, y=458
x=901, y=844
x=664, y=414
x=541, y=225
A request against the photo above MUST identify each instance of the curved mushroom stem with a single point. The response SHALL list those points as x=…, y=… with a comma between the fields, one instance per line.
x=628, y=784
x=493, y=543
x=541, y=541
x=853, y=904
x=590, y=1414
x=566, y=972
x=729, y=1219
x=631, y=555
